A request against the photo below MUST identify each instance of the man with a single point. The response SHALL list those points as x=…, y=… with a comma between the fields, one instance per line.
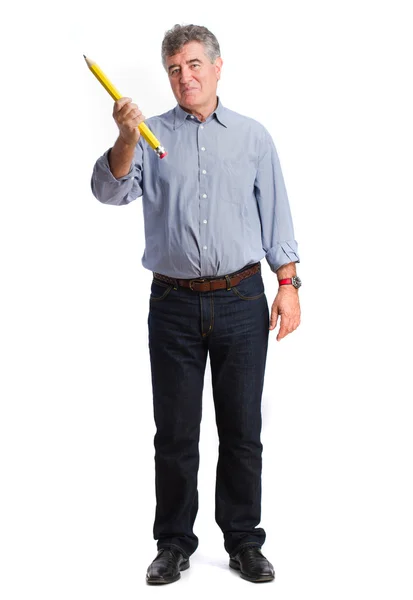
x=213, y=208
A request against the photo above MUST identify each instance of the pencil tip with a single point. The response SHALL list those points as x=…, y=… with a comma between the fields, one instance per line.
x=84, y=56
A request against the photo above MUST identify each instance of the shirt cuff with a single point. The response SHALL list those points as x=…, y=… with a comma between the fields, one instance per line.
x=282, y=254
x=105, y=174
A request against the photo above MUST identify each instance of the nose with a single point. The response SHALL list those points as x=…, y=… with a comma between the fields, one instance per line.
x=185, y=76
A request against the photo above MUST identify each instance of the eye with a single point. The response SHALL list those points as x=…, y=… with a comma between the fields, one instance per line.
x=174, y=71
x=196, y=65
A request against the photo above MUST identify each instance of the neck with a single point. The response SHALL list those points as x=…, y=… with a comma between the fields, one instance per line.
x=202, y=112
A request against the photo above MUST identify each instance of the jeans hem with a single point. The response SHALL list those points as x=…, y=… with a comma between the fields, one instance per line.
x=241, y=546
x=167, y=546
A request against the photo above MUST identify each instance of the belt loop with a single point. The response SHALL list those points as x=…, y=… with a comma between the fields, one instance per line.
x=228, y=283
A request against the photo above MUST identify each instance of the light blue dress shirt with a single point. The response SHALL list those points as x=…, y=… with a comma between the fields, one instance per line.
x=216, y=203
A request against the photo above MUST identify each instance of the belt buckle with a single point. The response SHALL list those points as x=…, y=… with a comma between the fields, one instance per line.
x=200, y=280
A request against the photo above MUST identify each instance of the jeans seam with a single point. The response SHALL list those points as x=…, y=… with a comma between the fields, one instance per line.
x=166, y=292
x=247, y=297
x=212, y=312
x=202, y=320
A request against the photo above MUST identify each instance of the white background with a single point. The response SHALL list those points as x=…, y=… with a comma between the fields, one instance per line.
x=332, y=83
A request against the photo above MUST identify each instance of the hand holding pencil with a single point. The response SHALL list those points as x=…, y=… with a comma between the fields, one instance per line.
x=121, y=112
x=128, y=117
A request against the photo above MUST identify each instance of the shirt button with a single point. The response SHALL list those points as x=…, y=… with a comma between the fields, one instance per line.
x=205, y=221
x=204, y=172
x=202, y=126
x=202, y=148
x=204, y=195
x=205, y=247
x=192, y=117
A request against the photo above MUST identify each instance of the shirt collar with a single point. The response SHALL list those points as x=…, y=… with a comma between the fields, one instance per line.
x=181, y=115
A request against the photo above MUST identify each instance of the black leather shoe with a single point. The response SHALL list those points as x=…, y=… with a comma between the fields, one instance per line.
x=166, y=567
x=252, y=564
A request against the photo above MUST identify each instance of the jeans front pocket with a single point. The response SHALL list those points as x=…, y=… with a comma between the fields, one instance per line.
x=251, y=288
x=159, y=290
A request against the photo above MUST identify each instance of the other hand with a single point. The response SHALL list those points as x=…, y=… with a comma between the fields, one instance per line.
x=287, y=306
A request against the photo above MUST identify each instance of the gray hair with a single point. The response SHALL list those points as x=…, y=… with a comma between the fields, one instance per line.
x=179, y=35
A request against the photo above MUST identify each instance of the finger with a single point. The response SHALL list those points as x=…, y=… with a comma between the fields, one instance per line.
x=295, y=321
x=285, y=327
x=282, y=333
x=273, y=319
x=138, y=117
x=130, y=107
x=128, y=113
x=132, y=116
x=119, y=104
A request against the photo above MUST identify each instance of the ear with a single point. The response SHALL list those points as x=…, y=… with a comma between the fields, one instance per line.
x=218, y=66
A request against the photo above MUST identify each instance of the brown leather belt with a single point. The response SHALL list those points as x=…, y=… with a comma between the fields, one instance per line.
x=209, y=284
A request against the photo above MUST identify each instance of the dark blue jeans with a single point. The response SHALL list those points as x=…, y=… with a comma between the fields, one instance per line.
x=233, y=326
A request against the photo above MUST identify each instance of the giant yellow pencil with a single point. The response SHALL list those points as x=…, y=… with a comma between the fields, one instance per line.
x=109, y=87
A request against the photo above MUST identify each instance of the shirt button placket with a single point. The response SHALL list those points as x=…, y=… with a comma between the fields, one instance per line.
x=203, y=192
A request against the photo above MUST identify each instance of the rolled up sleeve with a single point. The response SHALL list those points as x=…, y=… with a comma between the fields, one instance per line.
x=110, y=190
x=276, y=222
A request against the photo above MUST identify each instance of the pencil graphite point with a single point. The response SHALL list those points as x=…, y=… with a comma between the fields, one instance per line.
x=89, y=62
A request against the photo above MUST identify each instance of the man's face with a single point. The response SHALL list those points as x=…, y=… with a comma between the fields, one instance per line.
x=193, y=77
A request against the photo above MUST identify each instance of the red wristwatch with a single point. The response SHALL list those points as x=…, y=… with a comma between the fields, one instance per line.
x=295, y=281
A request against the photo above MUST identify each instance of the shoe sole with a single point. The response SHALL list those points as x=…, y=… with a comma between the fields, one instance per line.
x=162, y=581
x=234, y=565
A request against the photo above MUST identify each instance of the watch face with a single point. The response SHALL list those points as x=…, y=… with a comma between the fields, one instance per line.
x=296, y=281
